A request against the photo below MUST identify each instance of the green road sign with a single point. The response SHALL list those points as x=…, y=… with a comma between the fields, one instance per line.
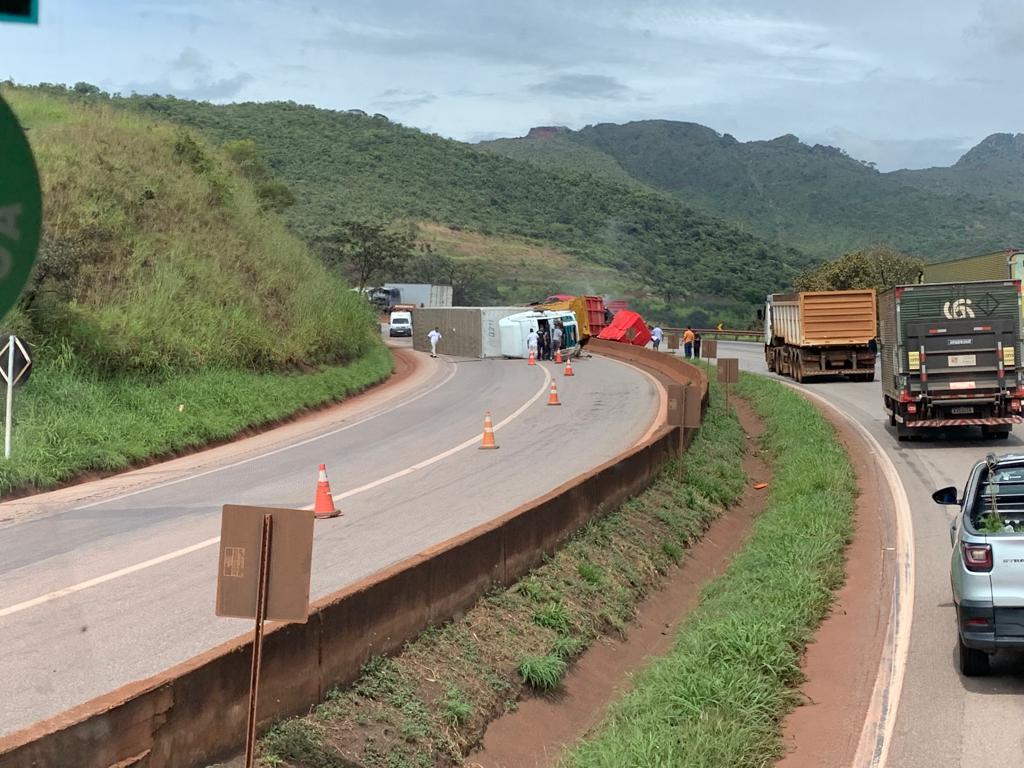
x=21, y=209
x=25, y=11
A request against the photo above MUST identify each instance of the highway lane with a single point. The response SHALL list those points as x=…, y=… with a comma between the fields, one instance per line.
x=66, y=649
x=943, y=719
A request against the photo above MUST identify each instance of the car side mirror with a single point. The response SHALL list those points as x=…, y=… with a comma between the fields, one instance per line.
x=946, y=496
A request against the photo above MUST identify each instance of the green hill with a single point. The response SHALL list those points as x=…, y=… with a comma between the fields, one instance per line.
x=168, y=306
x=815, y=198
x=342, y=165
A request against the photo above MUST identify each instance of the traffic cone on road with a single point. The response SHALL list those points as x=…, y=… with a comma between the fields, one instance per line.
x=568, y=367
x=530, y=359
x=323, y=506
x=488, y=441
x=558, y=356
x=553, y=397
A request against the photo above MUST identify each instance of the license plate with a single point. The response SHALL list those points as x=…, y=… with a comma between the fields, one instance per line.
x=961, y=385
x=961, y=411
x=961, y=360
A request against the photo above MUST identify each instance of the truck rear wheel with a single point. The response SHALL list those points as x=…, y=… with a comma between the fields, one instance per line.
x=903, y=433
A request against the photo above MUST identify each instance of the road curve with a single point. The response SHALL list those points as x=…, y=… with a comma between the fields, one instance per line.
x=97, y=590
x=942, y=719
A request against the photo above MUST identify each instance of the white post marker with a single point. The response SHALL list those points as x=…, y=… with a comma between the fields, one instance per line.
x=10, y=397
x=11, y=377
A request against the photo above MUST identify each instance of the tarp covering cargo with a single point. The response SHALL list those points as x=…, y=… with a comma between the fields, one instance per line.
x=465, y=331
x=627, y=327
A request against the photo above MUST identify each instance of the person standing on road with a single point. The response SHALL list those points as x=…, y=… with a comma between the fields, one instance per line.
x=531, y=342
x=696, y=345
x=688, y=336
x=656, y=334
x=434, y=336
x=545, y=343
x=556, y=340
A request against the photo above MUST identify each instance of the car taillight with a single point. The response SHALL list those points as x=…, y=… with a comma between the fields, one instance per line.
x=976, y=621
x=978, y=557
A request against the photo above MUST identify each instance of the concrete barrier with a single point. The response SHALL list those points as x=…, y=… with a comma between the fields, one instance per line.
x=194, y=714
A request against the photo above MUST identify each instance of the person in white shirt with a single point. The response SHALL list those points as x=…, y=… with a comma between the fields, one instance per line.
x=434, y=336
x=656, y=334
x=531, y=342
x=556, y=340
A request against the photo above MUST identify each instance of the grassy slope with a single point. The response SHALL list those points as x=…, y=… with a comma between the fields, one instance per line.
x=814, y=198
x=160, y=283
x=718, y=698
x=431, y=704
x=342, y=165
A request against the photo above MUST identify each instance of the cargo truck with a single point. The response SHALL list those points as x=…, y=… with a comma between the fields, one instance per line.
x=407, y=296
x=950, y=356
x=821, y=333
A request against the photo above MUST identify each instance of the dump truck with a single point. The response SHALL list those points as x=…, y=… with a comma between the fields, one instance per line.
x=950, y=356
x=821, y=333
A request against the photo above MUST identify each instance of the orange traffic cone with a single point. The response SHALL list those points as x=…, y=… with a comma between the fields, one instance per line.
x=568, y=367
x=488, y=441
x=553, y=397
x=531, y=360
x=558, y=356
x=323, y=507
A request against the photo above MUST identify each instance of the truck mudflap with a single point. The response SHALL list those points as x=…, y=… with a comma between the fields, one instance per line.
x=989, y=422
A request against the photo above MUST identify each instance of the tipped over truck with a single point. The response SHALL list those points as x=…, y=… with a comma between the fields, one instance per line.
x=821, y=333
x=950, y=356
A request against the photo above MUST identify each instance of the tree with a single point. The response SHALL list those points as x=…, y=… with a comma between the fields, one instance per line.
x=879, y=267
x=366, y=251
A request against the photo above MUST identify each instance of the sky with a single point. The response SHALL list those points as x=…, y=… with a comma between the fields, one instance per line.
x=900, y=83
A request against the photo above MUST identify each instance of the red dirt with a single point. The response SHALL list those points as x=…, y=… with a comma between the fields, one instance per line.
x=601, y=674
x=405, y=364
x=842, y=661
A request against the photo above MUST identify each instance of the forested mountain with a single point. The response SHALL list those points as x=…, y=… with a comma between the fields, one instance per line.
x=347, y=165
x=815, y=198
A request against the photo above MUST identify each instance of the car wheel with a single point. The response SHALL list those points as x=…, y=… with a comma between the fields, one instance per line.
x=973, y=662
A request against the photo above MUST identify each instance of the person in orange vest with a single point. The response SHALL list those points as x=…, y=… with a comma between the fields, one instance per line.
x=688, y=342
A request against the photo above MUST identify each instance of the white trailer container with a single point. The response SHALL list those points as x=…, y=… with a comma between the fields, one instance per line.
x=420, y=294
x=515, y=329
x=465, y=331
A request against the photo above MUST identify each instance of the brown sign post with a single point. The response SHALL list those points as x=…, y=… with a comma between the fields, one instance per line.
x=263, y=572
x=728, y=373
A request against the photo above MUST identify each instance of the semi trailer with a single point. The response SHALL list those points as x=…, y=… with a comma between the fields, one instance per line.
x=950, y=356
x=821, y=333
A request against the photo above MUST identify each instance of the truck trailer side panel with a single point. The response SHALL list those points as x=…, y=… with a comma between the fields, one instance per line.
x=465, y=331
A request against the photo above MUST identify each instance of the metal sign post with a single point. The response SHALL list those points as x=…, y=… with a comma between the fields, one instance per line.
x=728, y=373
x=9, y=378
x=263, y=574
x=257, y=641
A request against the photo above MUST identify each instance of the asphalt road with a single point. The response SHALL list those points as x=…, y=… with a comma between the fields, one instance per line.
x=943, y=719
x=142, y=564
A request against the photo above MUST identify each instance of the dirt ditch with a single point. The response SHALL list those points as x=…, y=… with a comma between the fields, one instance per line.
x=603, y=672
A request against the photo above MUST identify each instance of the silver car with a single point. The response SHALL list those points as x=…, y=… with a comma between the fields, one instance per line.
x=987, y=566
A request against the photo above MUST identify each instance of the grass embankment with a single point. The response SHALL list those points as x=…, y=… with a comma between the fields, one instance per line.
x=719, y=697
x=165, y=277
x=429, y=705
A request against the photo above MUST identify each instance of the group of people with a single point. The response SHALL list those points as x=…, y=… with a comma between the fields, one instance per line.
x=544, y=344
x=691, y=341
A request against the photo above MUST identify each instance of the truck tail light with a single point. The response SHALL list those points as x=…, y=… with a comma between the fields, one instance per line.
x=976, y=621
x=1015, y=405
x=905, y=396
x=912, y=408
x=978, y=557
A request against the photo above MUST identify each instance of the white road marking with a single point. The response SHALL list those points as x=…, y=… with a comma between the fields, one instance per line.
x=448, y=377
x=65, y=591
x=18, y=607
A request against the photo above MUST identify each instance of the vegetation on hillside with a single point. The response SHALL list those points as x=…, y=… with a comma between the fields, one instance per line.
x=170, y=306
x=346, y=166
x=879, y=267
x=816, y=199
x=157, y=256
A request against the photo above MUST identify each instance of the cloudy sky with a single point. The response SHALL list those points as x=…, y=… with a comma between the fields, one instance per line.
x=904, y=83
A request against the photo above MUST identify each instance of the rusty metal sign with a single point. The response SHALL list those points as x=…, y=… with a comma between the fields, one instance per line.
x=709, y=349
x=728, y=370
x=289, y=563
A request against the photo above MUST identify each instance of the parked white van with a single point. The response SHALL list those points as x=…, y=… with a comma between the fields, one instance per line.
x=400, y=324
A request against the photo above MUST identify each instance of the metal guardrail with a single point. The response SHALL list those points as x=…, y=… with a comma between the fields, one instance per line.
x=729, y=334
